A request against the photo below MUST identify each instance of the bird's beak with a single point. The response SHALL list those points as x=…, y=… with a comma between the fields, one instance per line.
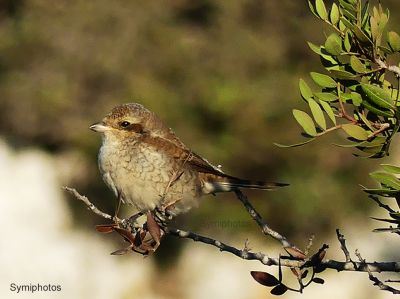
x=99, y=127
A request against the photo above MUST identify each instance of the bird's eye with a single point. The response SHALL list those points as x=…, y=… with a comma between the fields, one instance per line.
x=125, y=124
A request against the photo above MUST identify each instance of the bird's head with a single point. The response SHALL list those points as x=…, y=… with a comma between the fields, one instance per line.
x=127, y=121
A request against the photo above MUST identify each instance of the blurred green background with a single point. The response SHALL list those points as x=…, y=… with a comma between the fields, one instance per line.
x=223, y=74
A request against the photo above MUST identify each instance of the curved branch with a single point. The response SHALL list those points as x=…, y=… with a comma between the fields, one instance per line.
x=246, y=254
x=261, y=223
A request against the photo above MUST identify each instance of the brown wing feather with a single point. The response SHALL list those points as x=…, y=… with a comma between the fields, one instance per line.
x=220, y=181
x=180, y=152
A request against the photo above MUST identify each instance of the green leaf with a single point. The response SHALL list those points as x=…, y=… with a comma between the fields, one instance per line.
x=305, y=90
x=374, y=151
x=293, y=145
x=334, y=16
x=328, y=57
x=377, y=96
x=346, y=145
x=385, y=50
x=321, y=9
x=391, y=168
x=377, y=111
x=386, y=179
x=355, y=131
x=316, y=49
x=361, y=36
x=366, y=122
x=381, y=192
x=345, y=97
x=340, y=74
x=323, y=80
x=326, y=96
x=347, y=43
x=346, y=23
x=317, y=113
x=305, y=121
x=375, y=32
x=312, y=8
x=321, y=51
x=357, y=65
x=346, y=5
x=384, y=18
x=349, y=15
x=356, y=99
x=333, y=44
x=329, y=111
x=377, y=141
x=394, y=41
x=365, y=13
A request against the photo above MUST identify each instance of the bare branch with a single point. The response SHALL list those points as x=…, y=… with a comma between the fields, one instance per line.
x=391, y=68
x=246, y=253
x=342, y=242
x=87, y=202
x=261, y=223
x=375, y=279
x=382, y=205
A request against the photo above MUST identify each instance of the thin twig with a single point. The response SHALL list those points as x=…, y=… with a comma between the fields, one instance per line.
x=343, y=246
x=383, y=127
x=375, y=279
x=309, y=245
x=382, y=205
x=261, y=223
x=343, y=112
x=391, y=68
x=91, y=206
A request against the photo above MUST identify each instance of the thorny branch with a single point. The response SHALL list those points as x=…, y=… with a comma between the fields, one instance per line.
x=246, y=254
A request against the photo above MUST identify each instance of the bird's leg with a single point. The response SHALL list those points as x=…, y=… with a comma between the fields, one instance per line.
x=118, y=205
x=134, y=217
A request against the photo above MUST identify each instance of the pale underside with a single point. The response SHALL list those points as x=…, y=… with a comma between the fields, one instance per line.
x=148, y=178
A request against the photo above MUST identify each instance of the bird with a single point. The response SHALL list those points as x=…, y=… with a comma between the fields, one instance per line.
x=148, y=167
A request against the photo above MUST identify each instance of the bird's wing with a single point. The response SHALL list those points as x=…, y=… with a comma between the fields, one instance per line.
x=180, y=152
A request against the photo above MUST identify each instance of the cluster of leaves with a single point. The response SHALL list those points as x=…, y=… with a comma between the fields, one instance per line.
x=389, y=189
x=359, y=91
x=301, y=273
x=359, y=94
x=360, y=79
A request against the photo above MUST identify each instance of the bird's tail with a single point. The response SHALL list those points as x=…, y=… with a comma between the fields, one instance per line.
x=232, y=183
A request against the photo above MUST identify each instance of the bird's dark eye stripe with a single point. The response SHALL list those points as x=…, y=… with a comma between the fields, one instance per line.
x=125, y=124
x=131, y=127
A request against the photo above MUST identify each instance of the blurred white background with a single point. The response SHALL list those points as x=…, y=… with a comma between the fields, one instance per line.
x=40, y=244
